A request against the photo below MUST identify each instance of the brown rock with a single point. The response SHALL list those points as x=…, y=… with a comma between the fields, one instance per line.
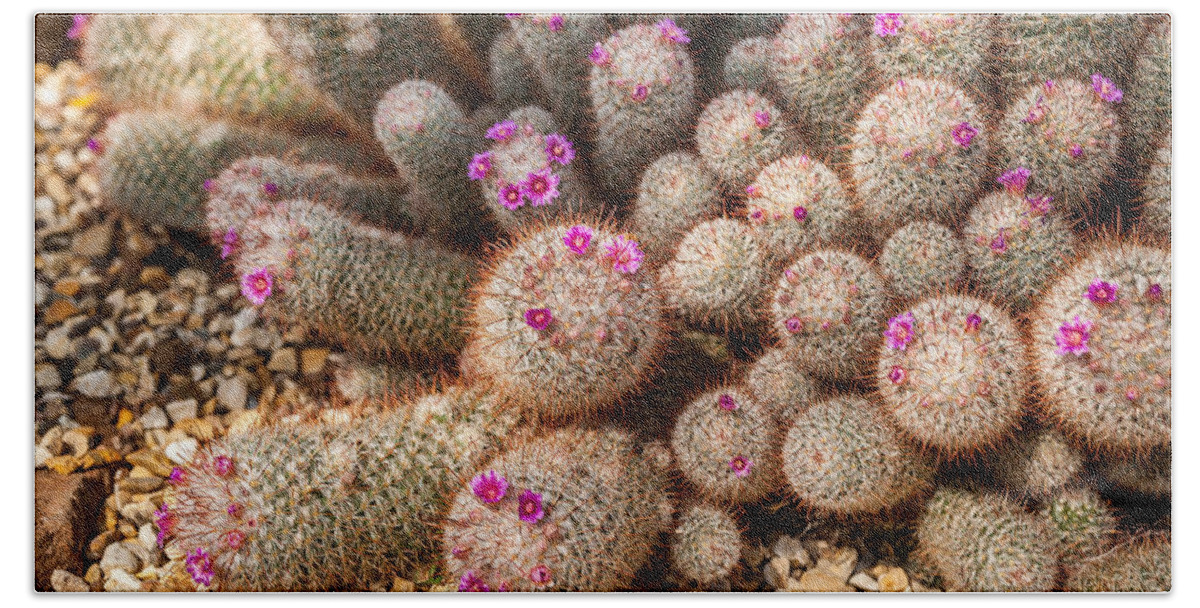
x=401, y=585
x=156, y=278
x=312, y=360
x=152, y=460
x=65, y=514
x=63, y=465
x=59, y=311
x=820, y=580
x=67, y=287
x=893, y=580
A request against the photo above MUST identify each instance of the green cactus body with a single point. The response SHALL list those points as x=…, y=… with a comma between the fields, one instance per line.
x=822, y=70
x=727, y=445
x=986, y=543
x=738, y=134
x=1148, y=100
x=509, y=73
x=361, y=286
x=1101, y=348
x=1140, y=565
x=1032, y=47
x=565, y=321
x=826, y=310
x=580, y=510
x=748, y=64
x=706, y=545
x=1083, y=522
x=717, y=276
x=1155, y=199
x=225, y=66
x=1148, y=473
x=1015, y=245
x=952, y=373
x=778, y=383
x=797, y=203
x=676, y=192
x=556, y=49
x=951, y=47
x=1066, y=135
x=918, y=152
x=521, y=180
x=920, y=258
x=328, y=507
x=643, y=91
x=1039, y=465
x=714, y=35
x=843, y=456
x=359, y=381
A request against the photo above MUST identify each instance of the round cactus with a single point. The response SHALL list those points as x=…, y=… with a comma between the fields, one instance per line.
x=727, y=445
x=1039, y=465
x=706, y=545
x=565, y=322
x=1062, y=135
x=643, y=89
x=738, y=134
x=1083, y=523
x=827, y=309
x=676, y=192
x=748, y=64
x=795, y=204
x=920, y=258
x=952, y=47
x=1148, y=473
x=778, y=383
x=1035, y=46
x=526, y=177
x=718, y=274
x=1101, y=347
x=1015, y=245
x=266, y=511
x=952, y=373
x=1148, y=104
x=575, y=510
x=359, y=381
x=822, y=69
x=918, y=151
x=1135, y=565
x=843, y=456
x=986, y=543
x=1155, y=198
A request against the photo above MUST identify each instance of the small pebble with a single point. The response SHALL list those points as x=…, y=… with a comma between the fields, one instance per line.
x=154, y=418
x=98, y=384
x=118, y=556
x=181, y=410
x=776, y=572
x=283, y=361
x=78, y=440
x=121, y=581
x=180, y=452
x=863, y=581
x=312, y=360
x=65, y=582
x=232, y=393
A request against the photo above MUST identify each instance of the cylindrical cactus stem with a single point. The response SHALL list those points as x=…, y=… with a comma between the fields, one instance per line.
x=985, y=542
x=1147, y=103
x=574, y=510
x=1136, y=564
x=361, y=286
x=706, y=545
x=952, y=47
x=1066, y=134
x=738, y=134
x=1155, y=198
x=327, y=507
x=676, y=192
x=827, y=309
x=796, y=204
x=748, y=64
x=643, y=90
x=715, y=35
x=1083, y=523
x=509, y=73
x=1015, y=244
x=1032, y=47
x=360, y=381
x=918, y=152
x=718, y=275
x=952, y=373
x=1101, y=348
x=922, y=258
x=781, y=386
x=566, y=321
x=1039, y=465
x=1148, y=473
x=527, y=176
x=556, y=46
x=822, y=70
x=843, y=456
x=727, y=445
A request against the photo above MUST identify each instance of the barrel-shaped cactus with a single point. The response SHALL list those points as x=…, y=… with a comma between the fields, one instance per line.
x=922, y=258
x=718, y=275
x=953, y=47
x=738, y=134
x=727, y=445
x=706, y=545
x=796, y=204
x=676, y=192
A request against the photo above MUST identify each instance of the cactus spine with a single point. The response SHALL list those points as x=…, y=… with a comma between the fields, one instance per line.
x=920, y=258
x=718, y=275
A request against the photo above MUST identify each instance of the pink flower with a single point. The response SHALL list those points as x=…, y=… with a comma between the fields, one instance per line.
x=1036, y=113
x=1154, y=292
x=511, y=16
x=1073, y=337
x=489, y=487
x=727, y=403
x=999, y=244
x=176, y=477
x=753, y=191
x=762, y=119
x=541, y=187
x=559, y=149
x=756, y=214
x=626, y=255
x=555, y=23
x=900, y=331
x=1049, y=84
x=234, y=510
x=672, y=32
x=599, y=56
x=897, y=375
x=470, y=582
x=229, y=243
x=640, y=92
x=741, y=465
x=888, y=24
x=94, y=146
x=481, y=165
x=501, y=131
x=165, y=522
x=511, y=196
x=223, y=465
x=1102, y=292
x=256, y=286
x=1076, y=151
x=800, y=213
x=963, y=133
x=793, y=325
x=235, y=538
x=973, y=322
x=1106, y=89
x=79, y=25
x=199, y=566
x=1040, y=204
x=578, y=239
x=540, y=575
x=270, y=189
x=208, y=185
x=538, y=318
x=529, y=507
x=1015, y=180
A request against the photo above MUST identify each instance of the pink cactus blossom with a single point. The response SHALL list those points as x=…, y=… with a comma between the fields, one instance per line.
x=234, y=539
x=481, y=165
x=511, y=196
x=176, y=476
x=999, y=244
x=625, y=253
x=1040, y=205
x=529, y=507
x=793, y=325
x=762, y=119
x=963, y=133
x=1076, y=151
x=223, y=465
x=973, y=322
x=640, y=92
x=501, y=131
x=900, y=331
x=672, y=32
x=199, y=566
x=471, y=583
x=1073, y=337
x=538, y=318
x=1102, y=292
x=559, y=149
x=727, y=403
x=1154, y=292
x=555, y=23
x=489, y=487
x=165, y=522
x=800, y=213
x=540, y=187
x=578, y=239
x=888, y=24
x=79, y=24
x=540, y=574
x=897, y=375
x=1106, y=89
x=256, y=286
x=599, y=56
x=1015, y=180
x=741, y=465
